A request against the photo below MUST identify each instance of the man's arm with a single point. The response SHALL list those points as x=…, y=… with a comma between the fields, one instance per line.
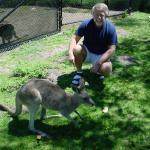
x=74, y=40
x=106, y=56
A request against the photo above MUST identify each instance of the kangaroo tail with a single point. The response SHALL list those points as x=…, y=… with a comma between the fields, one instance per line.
x=3, y=108
x=13, y=113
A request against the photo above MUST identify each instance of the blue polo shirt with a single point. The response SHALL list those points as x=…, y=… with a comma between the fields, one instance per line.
x=97, y=39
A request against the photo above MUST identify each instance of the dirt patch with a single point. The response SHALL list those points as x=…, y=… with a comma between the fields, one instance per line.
x=4, y=70
x=122, y=32
x=51, y=53
x=43, y=55
x=53, y=74
x=127, y=60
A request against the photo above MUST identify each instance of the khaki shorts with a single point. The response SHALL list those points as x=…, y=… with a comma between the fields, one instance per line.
x=91, y=57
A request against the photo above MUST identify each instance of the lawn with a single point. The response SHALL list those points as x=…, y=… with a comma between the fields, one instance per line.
x=126, y=93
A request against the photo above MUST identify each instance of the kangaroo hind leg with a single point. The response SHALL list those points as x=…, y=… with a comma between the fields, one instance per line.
x=32, y=111
x=43, y=113
x=18, y=107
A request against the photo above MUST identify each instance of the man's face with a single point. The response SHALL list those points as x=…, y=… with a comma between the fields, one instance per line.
x=99, y=17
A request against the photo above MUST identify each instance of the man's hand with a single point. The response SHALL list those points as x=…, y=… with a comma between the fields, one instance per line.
x=95, y=68
x=74, y=40
x=71, y=59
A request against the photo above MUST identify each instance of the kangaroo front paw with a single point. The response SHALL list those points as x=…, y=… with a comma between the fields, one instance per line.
x=44, y=135
x=40, y=133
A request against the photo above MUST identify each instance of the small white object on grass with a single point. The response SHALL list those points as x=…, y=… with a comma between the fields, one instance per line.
x=105, y=109
x=86, y=83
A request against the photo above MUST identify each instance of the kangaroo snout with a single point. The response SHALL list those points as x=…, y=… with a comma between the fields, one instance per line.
x=87, y=99
x=90, y=101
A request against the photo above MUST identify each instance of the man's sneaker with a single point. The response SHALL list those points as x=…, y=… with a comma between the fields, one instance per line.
x=76, y=79
x=100, y=76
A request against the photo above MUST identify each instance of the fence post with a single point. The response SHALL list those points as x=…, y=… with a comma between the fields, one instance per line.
x=129, y=7
x=107, y=2
x=60, y=15
x=81, y=2
x=142, y=5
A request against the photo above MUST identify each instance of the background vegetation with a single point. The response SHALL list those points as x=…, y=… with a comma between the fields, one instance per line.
x=142, y=5
x=126, y=93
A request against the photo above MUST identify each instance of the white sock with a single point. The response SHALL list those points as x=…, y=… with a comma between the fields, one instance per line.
x=80, y=72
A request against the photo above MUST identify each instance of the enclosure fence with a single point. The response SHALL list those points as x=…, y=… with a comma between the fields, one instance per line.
x=21, y=20
x=78, y=10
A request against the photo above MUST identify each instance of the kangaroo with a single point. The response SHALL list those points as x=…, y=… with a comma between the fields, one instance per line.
x=42, y=92
x=7, y=32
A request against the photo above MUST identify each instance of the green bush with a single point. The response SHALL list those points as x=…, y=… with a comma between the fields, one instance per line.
x=36, y=69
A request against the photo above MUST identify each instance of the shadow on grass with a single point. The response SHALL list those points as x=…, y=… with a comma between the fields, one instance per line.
x=139, y=50
x=19, y=128
x=92, y=134
x=86, y=135
x=94, y=82
x=94, y=88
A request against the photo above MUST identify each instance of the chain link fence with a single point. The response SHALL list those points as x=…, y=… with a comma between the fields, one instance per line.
x=77, y=10
x=21, y=20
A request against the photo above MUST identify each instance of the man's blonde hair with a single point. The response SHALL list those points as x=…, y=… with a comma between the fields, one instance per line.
x=101, y=6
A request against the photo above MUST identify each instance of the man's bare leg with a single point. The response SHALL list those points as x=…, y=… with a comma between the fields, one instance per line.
x=80, y=55
x=106, y=68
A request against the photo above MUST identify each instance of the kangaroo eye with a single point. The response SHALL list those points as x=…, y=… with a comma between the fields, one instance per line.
x=85, y=98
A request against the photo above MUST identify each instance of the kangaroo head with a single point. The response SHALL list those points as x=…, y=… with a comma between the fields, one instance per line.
x=81, y=95
x=86, y=98
x=80, y=87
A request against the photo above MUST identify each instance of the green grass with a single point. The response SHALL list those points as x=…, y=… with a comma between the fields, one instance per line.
x=126, y=93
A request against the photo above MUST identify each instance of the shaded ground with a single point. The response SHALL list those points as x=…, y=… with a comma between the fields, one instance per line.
x=126, y=60
x=122, y=32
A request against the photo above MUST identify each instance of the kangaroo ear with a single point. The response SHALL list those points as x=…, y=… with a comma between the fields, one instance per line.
x=81, y=85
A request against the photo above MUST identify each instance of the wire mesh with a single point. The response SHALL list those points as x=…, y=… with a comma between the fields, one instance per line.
x=21, y=20
x=78, y=10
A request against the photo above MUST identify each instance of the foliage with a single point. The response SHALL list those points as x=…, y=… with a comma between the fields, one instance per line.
x=36, y=69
